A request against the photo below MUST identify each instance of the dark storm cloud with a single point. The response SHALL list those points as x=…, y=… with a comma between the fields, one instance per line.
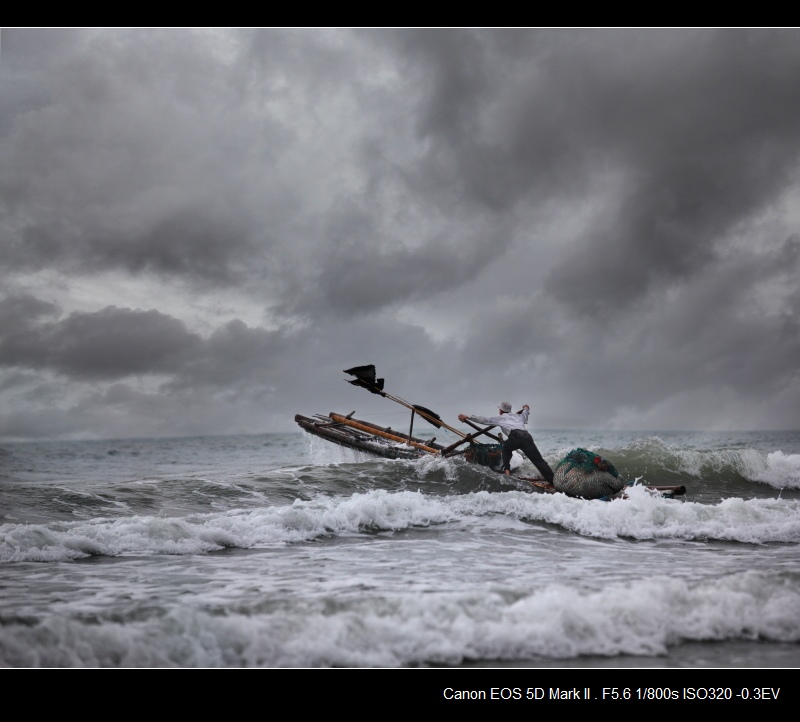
x=233, y=356
x=732, y=334
x=22, y=53
x=186, y=242
x=455, y=73
x=19, y=316
x=116, y=343
x=703, y=126
x=111, y=343
x=239, y=379
x=122, y=168
x=18, y=311
x=707, y=152
x=602, y=222
x=354, y=275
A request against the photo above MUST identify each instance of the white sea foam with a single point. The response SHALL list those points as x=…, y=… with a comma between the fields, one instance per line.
x=248, y=552
x=323, y=453
x=776, y=468
x=641, y=516
x=645, y=617
x=781, y=471
x=645, y=516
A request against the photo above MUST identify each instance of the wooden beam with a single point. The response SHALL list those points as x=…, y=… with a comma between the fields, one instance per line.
x=467, y=439
x=383, y=434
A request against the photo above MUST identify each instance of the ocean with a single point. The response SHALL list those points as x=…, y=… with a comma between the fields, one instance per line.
x=286, y=551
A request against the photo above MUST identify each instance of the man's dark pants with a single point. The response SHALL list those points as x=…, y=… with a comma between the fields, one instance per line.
x=522, y=440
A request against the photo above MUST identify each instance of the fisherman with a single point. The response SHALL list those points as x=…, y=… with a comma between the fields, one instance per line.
x=517, y=435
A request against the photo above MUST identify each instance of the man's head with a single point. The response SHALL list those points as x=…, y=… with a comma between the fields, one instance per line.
x=505, y=407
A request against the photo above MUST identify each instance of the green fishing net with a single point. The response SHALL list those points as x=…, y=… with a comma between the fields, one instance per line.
x=587, y=475
x=490, y=455
x=586, y=460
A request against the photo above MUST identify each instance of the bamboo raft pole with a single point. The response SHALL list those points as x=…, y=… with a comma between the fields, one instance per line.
x=339, y=419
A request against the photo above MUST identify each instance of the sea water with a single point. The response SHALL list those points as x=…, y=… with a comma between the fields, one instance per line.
x=286, y=551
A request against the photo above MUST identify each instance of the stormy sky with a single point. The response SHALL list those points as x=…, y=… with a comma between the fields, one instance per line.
x=200, y=229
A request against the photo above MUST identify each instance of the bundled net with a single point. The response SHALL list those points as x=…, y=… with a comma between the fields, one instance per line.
x=490, y=455
x=585, y=474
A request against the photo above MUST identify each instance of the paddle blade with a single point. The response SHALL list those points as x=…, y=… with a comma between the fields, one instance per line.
x=429, y=414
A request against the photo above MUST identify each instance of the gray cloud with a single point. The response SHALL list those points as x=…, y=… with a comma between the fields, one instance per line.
x=110, y=343
x=200, y=229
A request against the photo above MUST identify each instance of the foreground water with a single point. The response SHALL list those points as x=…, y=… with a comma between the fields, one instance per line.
x=285, y=551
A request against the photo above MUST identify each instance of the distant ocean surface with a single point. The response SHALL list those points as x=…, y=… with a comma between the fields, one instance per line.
x=285, y=551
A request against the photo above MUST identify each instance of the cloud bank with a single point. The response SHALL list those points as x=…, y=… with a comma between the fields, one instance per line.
x=199, y=229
